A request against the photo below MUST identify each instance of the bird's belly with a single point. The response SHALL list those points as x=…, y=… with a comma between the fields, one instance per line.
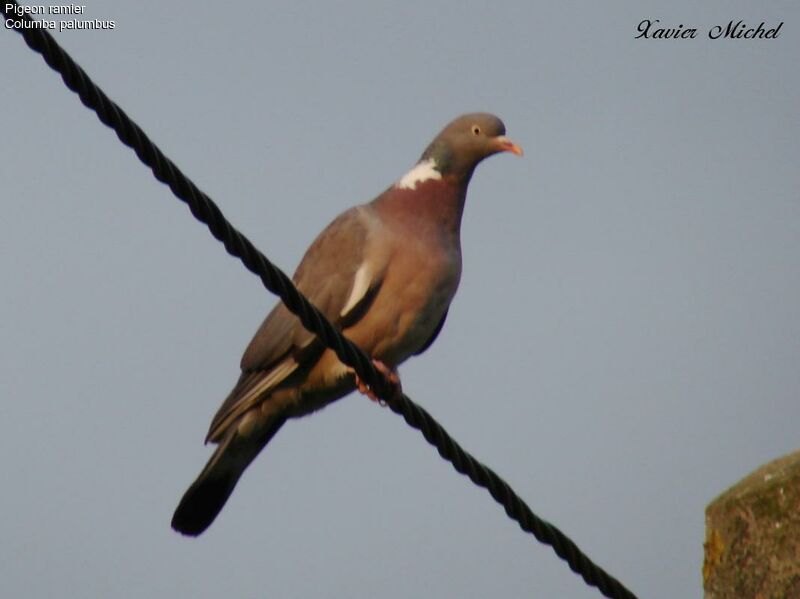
x=400, y=322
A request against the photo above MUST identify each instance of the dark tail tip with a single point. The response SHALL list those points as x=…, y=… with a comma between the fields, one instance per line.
x=207, y=495
x=200, y=505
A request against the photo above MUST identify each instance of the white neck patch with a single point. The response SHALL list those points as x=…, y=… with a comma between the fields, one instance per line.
x=423, y=171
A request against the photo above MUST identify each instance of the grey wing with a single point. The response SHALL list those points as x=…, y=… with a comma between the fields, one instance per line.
x=337, y=279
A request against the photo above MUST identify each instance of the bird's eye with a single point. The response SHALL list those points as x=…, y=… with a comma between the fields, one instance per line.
x=476, y=130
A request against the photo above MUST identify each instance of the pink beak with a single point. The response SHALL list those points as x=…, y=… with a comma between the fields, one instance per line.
x=504, y=144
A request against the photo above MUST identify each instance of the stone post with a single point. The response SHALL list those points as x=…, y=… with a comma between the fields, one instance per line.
x=752, y=548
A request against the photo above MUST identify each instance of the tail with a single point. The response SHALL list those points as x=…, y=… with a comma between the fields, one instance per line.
x=206, y=497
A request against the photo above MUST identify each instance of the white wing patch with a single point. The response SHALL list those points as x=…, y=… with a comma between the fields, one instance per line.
x=360, y=287
x=423, y=171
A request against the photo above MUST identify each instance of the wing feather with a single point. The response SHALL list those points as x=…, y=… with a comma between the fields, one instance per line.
x=337, y=278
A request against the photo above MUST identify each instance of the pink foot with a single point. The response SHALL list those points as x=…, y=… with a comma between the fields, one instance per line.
x=391, y=376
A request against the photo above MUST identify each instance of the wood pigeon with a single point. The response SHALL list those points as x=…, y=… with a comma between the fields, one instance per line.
x=384, y=273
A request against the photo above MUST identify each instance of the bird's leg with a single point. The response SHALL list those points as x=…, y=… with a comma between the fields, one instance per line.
x=390, y=374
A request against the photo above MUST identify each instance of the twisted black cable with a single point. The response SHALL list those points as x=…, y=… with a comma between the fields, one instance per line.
x=236, y=244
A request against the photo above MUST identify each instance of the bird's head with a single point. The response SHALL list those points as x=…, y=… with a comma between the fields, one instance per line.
x=466, y=141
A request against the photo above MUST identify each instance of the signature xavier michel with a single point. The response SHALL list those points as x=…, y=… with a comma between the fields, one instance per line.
x=652, y=29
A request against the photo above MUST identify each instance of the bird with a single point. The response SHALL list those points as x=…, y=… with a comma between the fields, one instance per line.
x=384, y=273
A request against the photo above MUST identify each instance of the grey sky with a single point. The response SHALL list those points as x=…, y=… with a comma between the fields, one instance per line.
x=624, y=345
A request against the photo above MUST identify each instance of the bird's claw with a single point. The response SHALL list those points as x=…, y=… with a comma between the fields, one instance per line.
x=391, y=376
